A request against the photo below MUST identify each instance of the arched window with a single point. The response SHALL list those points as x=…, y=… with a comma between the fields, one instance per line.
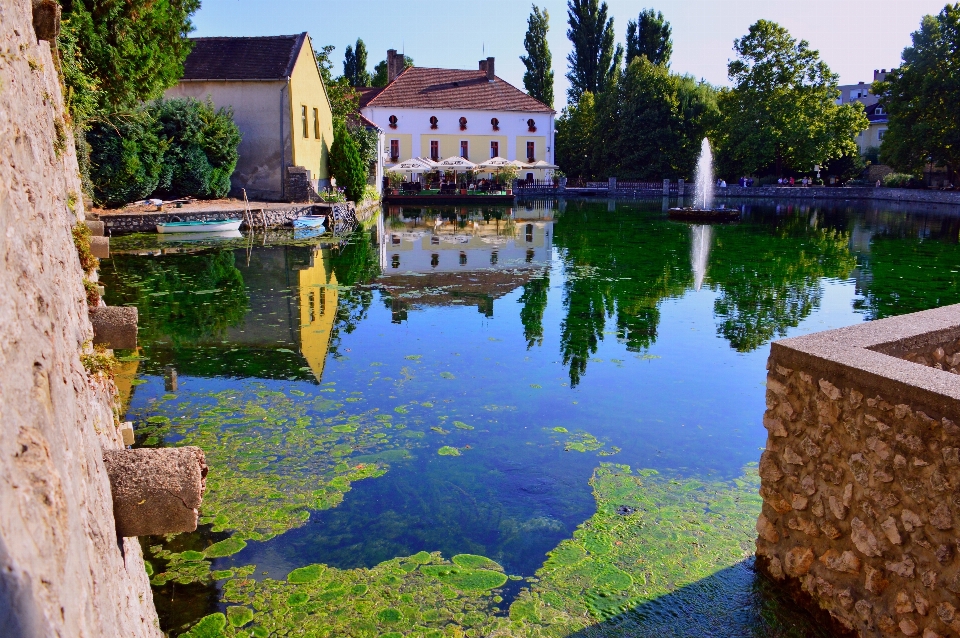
x=531, y=125
x=463, y=124
x=434, y=121
x=495, y=123
x=393, y=121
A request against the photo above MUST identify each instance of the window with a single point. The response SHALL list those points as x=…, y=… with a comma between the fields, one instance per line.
x=494, y=149
x=531, y=151
x=395, y=261
x=882, y=133
x=463, y=258
x=494, y=257
x=434, y=260
x=434, y=150
x=394, y=150
x=465, y=149
x=879, y=110
x=316, y=123
x=303, y=119
x=529, y=233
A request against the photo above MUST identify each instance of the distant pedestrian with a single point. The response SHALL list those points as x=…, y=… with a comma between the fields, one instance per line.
x=791, y=181
x=878, y=183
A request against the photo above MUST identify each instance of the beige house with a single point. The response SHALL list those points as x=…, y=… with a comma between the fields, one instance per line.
x=279, y=102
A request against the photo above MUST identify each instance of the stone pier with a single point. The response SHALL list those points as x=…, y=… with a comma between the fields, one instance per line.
x=861, y=473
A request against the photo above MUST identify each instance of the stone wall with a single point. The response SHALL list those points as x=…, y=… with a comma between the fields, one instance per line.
x=844, y=193
x=860, y=475
x=271, y=216
x=63, y=571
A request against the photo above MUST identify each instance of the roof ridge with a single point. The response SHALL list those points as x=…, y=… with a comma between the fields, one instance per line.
x=245, y=37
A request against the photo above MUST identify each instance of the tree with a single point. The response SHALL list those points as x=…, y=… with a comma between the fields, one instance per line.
x=124, y=52
x=346, y=164
x=380, y=76
x=574, y=140
x=921, y=97
x=325, y=62
x=651, y=122
x=538, y=78
x=594, y=60
x=782, y=111
x=126, y=157
x=649, y=35
x=355, y=65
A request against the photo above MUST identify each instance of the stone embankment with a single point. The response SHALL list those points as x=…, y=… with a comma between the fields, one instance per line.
x=861, y=474
x=63, y=570
x=259, y=216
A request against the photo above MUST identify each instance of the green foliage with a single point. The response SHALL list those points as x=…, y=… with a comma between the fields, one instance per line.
x=534, y=301
x=649, y=35
x=380, y=75
x=346, y=164
x=367, y=140
x=782, y=112
x=650, y=123
x=594, y=61
x=849, y=165
x=355, y=65
x=538, y=77
x=227, y=547
x=81, y=241
x=901, y=180
x=126, y=157
x=921, y=97
x=576, y=127
x=872, y=154
x=201, y=152
x=119, y=54
x=325, y=63
x=446, y=450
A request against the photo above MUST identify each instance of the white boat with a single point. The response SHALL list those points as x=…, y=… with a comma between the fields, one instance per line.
x=204, y=236
x=200, y=227
x=310, y=221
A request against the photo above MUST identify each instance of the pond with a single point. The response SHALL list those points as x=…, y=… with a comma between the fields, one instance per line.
x=531, y=421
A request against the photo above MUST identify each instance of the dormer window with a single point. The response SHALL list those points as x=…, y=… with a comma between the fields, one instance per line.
x=393, y=121
x=879, y=110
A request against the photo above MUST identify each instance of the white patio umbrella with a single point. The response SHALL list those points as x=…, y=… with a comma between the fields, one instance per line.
x=456, y=164
x=413, y=165
x=541, y=165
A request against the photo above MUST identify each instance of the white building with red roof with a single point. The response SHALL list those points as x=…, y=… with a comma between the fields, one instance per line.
x=440, y=113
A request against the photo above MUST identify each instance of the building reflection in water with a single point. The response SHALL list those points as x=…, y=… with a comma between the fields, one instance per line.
x=462, y=255
x=319, y=296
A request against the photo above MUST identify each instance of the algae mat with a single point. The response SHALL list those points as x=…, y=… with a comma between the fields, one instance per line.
x=651, y=538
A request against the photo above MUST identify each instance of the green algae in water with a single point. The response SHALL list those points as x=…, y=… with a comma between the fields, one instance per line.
x=211, y=626
x=562, y=430
x=227, y=547
x=439, y=430
x=239, y=616
x=447, y=375
x=306, y=574
x=460, y=425
x=446, y=450
x=473, y=561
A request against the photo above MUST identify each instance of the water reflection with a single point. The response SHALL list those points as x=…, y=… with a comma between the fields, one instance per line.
x=700, y=238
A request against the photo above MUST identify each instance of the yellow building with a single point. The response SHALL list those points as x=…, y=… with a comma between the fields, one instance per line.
x=279, y=102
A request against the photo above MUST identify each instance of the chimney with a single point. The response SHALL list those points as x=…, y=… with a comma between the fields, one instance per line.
x=483, y=65
x=488, y=67
x=391, y=65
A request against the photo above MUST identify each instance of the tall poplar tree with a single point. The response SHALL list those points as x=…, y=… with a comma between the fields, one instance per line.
x=355, y=64
x=594, y=60
x=538, y=78
x=649, y=35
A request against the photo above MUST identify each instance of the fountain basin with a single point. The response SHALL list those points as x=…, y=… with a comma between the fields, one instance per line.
x=718, y=215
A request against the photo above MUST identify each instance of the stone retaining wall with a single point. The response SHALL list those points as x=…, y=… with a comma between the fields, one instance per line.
x=860, y=475
x=260, y=218
x=864, y=193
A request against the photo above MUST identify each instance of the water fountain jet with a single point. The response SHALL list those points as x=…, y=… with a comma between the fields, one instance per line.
x=702, y=209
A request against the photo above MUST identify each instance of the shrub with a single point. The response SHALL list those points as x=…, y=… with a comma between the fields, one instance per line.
x=900, y=180
x=126, y=157
x=346, y=164
x=201, y=152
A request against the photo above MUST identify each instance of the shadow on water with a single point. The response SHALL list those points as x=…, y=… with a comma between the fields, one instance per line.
x=736, y=602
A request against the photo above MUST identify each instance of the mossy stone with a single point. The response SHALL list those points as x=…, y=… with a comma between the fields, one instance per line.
x=239, y=616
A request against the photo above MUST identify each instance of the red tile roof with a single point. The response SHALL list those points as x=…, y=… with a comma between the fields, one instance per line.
x=264, y=58
x=420, y=87
x=367, y=93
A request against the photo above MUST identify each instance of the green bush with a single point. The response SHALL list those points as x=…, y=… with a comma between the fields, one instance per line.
x=346, y=164
x=126, y=157
x=202, y=147
x=901, y=180
x=171, y=148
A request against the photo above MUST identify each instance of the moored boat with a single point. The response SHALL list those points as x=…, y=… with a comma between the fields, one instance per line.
x=217, y=226
x=310, y=221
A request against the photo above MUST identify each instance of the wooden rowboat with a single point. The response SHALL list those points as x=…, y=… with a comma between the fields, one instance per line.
x=200, y=227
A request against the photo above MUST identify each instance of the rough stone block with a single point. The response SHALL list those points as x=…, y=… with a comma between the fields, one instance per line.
x=100, y=247
x=95, y=227
x=114, y=326
x=156, y=491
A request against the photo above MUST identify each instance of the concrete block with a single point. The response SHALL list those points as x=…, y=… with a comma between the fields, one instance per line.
x=95, y=227
x=126, y=432
x=100, y=247
x=156, y=491
x=114, y=326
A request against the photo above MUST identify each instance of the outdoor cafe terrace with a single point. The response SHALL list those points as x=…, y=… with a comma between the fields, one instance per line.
x=459, y=177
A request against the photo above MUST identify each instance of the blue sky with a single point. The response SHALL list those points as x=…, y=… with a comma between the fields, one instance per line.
x=853, y=36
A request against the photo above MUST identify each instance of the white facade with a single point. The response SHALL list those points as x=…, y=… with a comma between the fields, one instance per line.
x=411, y=135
